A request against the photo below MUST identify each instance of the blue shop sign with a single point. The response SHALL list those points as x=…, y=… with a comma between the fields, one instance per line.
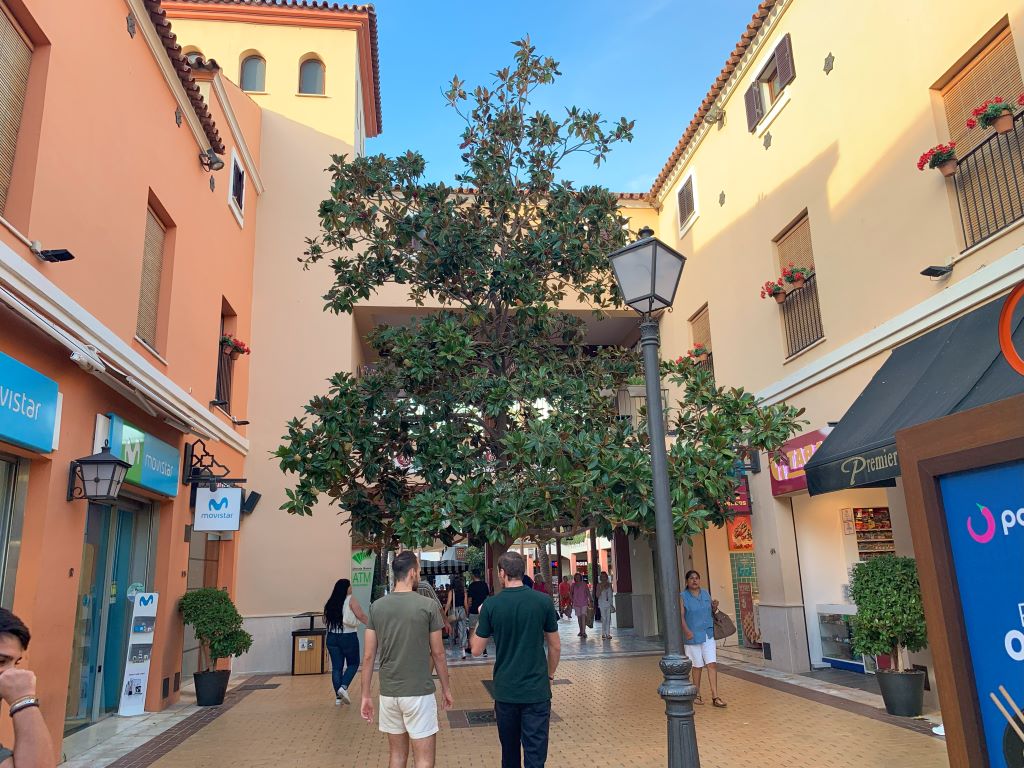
x=28, y=405
x=985, y=518
x=154, y=462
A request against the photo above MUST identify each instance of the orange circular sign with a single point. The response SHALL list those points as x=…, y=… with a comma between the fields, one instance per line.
x=1006, y=330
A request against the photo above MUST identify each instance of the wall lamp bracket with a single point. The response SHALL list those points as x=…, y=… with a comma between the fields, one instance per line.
x=210, y=161
x=937, y=272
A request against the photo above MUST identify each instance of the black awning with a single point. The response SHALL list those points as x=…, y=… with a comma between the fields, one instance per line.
x=952, y=368
x=442, y=567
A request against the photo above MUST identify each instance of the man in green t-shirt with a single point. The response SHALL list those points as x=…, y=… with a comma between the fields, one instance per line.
x=521, y=621
x=406, y=626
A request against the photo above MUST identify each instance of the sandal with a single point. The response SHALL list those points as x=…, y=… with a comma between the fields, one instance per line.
x=698, y=699
x=717, y=702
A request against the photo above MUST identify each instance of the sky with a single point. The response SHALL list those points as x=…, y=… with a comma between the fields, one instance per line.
x=651, y=61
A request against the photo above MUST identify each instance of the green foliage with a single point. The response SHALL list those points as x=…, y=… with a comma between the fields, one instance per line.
x=889, y=615
x=216, y=623
x=475, y=559
x=490, y=419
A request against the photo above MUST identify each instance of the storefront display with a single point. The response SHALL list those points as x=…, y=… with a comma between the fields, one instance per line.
x=873, y=527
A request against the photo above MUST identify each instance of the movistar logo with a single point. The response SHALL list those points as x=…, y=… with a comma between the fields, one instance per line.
x=360, y=556
x=147, y=600
x=217, y=504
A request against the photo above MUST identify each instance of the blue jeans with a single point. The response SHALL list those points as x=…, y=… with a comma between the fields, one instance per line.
x=344, y=650
x=526, y=726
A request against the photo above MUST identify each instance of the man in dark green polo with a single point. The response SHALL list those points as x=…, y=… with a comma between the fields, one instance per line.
x=521, y=621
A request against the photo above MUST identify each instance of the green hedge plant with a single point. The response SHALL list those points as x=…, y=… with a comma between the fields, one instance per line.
x=217, y=625
x=890, y=615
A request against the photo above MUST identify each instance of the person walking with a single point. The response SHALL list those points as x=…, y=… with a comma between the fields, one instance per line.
x=521, y=621
x=604, y=596
x=540, y=585
x=342, y=614
x=699, y=635
x=406, y=626
x=580, y=602
x=478, y=592
x=564, y=598
x=457, y=611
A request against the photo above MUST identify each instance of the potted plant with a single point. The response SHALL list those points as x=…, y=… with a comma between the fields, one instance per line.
x=796, y=276
x=699, y=353
x=229, y=345
x=941, y=156
x=994, y=113
x=890, y=618
x=774, y=289
x=218, y=628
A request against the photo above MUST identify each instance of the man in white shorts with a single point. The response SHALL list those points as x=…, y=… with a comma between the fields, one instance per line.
x=406, y=626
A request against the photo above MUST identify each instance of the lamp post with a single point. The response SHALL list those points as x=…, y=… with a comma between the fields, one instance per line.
x=647, y=273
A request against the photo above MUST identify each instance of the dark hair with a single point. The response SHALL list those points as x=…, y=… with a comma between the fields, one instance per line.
x=334, y=608
x=403, y=563
x=688, y=573
x=513, y=564
x=477, y=574
x=12, y=625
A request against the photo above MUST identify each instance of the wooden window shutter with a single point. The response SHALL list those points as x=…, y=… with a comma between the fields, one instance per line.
x=993, y=72
x=685, y=200
x=784, y=61
x=152, y=269
x=755, y=106
x=700, y=328
x=15, y=58
x=794, y=246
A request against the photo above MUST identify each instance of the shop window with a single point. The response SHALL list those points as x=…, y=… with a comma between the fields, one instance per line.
x=311, y=77
x=153, y=252
x=773, y=78
x=801, y=311
x=253, y=76
x=13, y=486
x=203, y=566
x=15, y=59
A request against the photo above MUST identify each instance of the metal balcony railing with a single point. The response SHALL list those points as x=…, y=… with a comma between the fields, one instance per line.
x=225, y=372
x=801, y=315
x=989, y=180
x=707, y=364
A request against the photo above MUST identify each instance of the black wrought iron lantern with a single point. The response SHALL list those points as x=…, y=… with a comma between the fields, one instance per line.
x=647, y=273
x=97, y=477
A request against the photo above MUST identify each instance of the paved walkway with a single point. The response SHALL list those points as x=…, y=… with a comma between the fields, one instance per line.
x=607, y=713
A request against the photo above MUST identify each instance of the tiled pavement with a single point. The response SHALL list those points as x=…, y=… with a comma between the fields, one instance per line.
x=609, y=713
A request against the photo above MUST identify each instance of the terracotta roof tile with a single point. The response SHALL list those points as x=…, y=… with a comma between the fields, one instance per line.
x=181, y=67
x=763, y=10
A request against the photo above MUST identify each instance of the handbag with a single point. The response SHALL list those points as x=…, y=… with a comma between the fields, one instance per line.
x=590, y=616
x=724, y=626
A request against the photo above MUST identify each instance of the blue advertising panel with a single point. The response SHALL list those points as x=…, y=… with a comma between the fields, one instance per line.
x=985, y=517
x=154, y=462
x=28, y=405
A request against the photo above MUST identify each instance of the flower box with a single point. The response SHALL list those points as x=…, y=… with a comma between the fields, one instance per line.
x=941, y=156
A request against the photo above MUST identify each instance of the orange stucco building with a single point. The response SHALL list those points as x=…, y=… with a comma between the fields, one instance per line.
x=106, y=135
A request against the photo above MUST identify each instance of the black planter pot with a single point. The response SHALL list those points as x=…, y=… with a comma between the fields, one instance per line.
x=211, y=687
x=902, y=692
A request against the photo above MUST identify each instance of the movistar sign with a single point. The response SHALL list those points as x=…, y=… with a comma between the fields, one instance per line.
x=28, y=405
x=218, y=510
x=154, y=462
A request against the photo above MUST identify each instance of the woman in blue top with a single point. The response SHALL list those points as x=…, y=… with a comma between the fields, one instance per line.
x=699, y=634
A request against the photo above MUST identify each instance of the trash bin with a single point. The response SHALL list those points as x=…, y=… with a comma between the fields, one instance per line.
x=309, y=648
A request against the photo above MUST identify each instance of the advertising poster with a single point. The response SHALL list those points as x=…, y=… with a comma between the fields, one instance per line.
x=363, y=563
x=140, y=649
x=748, y=616
x=219, y=510
x=741, y=534
x=984, y=511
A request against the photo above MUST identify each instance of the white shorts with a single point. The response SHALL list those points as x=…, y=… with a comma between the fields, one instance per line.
x=702, y=653
x=415, y=715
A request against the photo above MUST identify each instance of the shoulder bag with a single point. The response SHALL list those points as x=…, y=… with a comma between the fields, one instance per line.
x=724, y=626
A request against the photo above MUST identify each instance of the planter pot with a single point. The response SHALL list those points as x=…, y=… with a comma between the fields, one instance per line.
x=798, y=282
x=226, y=350
x=947, y=168
x=902, y=692
x=1003, y=123
x=700, y=358
x=780, y=298
x=211, y=687
x=235, y=354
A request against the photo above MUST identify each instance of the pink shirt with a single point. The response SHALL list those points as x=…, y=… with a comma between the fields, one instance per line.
x=580, y=593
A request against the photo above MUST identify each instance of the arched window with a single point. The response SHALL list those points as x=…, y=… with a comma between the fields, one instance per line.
x=254, y=74
x=311, y=76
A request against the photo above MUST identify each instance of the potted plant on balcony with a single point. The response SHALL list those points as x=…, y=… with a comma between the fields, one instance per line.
x=994, y=113
x=699, y=353
x=774, y=289
x=229, y=345
x=796, y=276
x=941, y=156
x=218, y=628
x=889, y=619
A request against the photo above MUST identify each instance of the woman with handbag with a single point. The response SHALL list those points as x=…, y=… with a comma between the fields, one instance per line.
x=605, y=596
x=699, y=635
x=342, y=614
x=457, y=611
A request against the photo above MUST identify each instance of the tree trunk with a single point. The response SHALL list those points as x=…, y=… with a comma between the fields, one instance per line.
x=497, y=550
x=546, y=570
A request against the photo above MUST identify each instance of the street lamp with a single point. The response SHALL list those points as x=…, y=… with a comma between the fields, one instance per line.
x=97, y=477
x=647, y=273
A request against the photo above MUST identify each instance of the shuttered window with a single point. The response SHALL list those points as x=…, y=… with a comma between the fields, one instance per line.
x=777, y=73
x=993, y=72
x=685, y=200
x=794, y=246
x=15, y=58
x=700, y=328
x=152, y=274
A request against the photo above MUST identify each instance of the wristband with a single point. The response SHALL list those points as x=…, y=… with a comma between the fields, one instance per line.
x=25, y=703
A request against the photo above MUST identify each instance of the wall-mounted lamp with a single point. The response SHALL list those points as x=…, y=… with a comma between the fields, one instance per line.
x=937, y=271
x=50, y=255
x=97, y=477
x=239, y=422
x=210, y=161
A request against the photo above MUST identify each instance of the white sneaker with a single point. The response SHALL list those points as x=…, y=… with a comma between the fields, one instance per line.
x=337, y=702
x=343, y=695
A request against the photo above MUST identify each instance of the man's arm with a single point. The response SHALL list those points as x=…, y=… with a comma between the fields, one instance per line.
x=32, y=745
x=554, y=651
x=441, y=665
x=369, y=657
x=477, y=644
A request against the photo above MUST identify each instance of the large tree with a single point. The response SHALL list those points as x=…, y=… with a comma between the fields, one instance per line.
x=490, y=418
